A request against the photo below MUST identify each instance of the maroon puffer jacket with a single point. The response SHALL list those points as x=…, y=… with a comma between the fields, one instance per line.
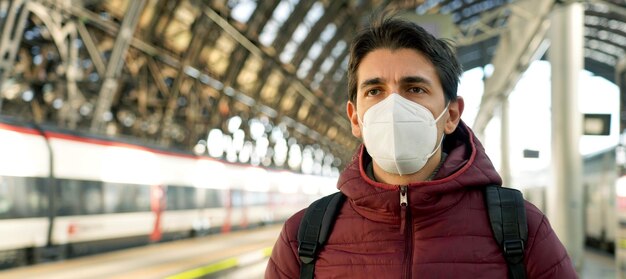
x=445, y=234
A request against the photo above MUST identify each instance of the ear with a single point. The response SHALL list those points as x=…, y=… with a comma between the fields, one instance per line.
x=354, y=119
x=454, y=110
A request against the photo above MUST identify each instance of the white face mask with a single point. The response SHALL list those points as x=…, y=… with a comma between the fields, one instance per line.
x=400, y=135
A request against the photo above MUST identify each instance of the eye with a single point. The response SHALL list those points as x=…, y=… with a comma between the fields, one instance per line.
x=372, y=92
x=416, y=90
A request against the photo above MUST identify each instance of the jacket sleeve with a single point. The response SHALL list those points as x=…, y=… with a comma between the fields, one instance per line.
x=284, y=261
x=546, y=256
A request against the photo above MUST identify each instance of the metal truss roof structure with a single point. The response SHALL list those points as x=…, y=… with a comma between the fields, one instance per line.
x=169, y=71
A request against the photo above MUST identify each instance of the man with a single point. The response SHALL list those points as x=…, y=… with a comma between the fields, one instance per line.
x=415, y=205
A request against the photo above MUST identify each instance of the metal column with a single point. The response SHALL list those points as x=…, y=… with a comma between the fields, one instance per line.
x=565, y=195
x=505, y=162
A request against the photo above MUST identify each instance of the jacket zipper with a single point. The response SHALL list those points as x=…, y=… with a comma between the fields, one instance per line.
x=406, y=225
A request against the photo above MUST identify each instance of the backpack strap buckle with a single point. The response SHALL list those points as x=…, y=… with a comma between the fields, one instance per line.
x=514, y=247
x=306, y=251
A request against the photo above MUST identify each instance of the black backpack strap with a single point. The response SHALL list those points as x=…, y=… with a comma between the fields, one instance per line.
x=314, y=230
x=508, y=223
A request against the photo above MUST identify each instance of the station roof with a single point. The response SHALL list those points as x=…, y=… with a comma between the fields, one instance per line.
x=605, y=30
x=190, y=66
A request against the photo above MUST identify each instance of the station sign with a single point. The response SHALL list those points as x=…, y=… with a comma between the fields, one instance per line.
x=596, y=124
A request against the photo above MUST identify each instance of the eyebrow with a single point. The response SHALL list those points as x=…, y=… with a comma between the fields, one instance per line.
x=403, y=80
x=415, y=79
x=372, y=81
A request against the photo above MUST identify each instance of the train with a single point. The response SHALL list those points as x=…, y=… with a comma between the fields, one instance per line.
x=600, y=175
x=66, y=194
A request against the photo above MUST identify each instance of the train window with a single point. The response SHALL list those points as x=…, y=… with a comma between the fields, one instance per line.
x=22, y=197
x=40, y=199
x=214, y=198
x=142, y=199
x=77, y=197
x=25, y=201
x=189, y=195
x=172, y=198
x=201, y=196
x=236, y=198
x=257, y=198
x=134, y=198
x=67, y=197
x=179, y=197
x=126, y=198
x=112, y=196
x=91, y=198
x=6, y=199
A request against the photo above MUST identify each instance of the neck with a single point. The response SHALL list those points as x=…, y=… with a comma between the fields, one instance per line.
x=419, y=176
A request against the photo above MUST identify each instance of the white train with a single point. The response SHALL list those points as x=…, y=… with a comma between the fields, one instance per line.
x=599, y=178
x=65, y=194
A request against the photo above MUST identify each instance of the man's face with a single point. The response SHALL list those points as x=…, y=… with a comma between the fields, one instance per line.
x=406, y=72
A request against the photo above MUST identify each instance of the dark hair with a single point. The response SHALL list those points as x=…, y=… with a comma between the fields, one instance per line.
x=393, y=33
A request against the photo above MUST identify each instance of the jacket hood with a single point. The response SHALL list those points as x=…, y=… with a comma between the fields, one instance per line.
x=466, y=166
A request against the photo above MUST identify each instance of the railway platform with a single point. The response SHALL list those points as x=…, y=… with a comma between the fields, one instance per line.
x=237, y=255
x=208, y=256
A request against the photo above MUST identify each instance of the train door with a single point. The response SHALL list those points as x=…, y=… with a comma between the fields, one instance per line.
x=157, y=205
x=235, y=210
x=226, y=225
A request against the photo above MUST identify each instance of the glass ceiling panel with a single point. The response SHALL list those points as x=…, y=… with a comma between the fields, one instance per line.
x=597, y=7
x=178, y=32
x=605, y=33
x=304, y=69
x=248, y=76
x=605, y=23
x=280, y=15
x=288, y=52
x=464, y=11
x=453, y=5
x=338, y=49
x=605, y=47
x=270, y=89
x=219, y=57
x=316, y=49
x=326, y=36
x=292, y=45
x=314, y=14
x=243, y=10
x=302, y=31
x=341, y=71
x=269, y=32
x=328, y=62
x=289, y=99
x=427, y=5
x=317, y=79
x=600, y=57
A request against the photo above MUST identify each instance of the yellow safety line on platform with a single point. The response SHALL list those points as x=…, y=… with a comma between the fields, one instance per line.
x=223, y=264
